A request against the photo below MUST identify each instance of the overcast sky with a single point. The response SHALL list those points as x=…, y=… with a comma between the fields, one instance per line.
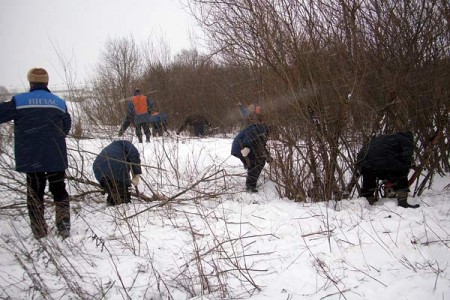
x=33, y=32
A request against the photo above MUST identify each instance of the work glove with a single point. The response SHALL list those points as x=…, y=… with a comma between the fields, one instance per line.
x=135, y=179
x=245, y=151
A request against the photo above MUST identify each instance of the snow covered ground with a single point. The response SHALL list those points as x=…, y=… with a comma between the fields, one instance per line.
x=207, y=239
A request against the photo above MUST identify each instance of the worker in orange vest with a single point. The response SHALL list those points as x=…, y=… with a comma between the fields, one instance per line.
x=141, y=110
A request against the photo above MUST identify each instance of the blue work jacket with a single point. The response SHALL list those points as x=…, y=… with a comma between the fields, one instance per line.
x=116, y=161
x=41, y=123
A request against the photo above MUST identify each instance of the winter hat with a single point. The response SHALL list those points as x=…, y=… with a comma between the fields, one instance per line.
x=37, y=75
x=137, y=92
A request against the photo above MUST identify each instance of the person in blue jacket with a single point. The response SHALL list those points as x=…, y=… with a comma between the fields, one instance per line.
x=128, y=120
x=249, y=146
x=112, y=169
x=41, y=124
x=159, y=123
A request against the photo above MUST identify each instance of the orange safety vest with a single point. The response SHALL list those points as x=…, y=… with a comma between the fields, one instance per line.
x=140, y=104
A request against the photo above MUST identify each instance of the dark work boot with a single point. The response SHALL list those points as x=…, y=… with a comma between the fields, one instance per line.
x=404, y=203
x=39, y=231
x=403, y=200
x=251, y=189
x=372, y=200
x=62, y=216
x=110, y=200
x=64, y=230
x=38, y=225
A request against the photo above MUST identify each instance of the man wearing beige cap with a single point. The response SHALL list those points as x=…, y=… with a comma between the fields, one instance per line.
x=41, y=123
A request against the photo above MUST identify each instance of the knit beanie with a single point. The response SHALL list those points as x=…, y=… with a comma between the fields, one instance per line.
x=37, y=75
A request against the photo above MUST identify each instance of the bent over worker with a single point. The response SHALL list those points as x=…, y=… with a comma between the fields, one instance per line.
x=387, y=157
x=112, y=168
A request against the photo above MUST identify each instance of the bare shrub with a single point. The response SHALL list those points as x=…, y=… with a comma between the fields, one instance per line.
x=338, y=72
